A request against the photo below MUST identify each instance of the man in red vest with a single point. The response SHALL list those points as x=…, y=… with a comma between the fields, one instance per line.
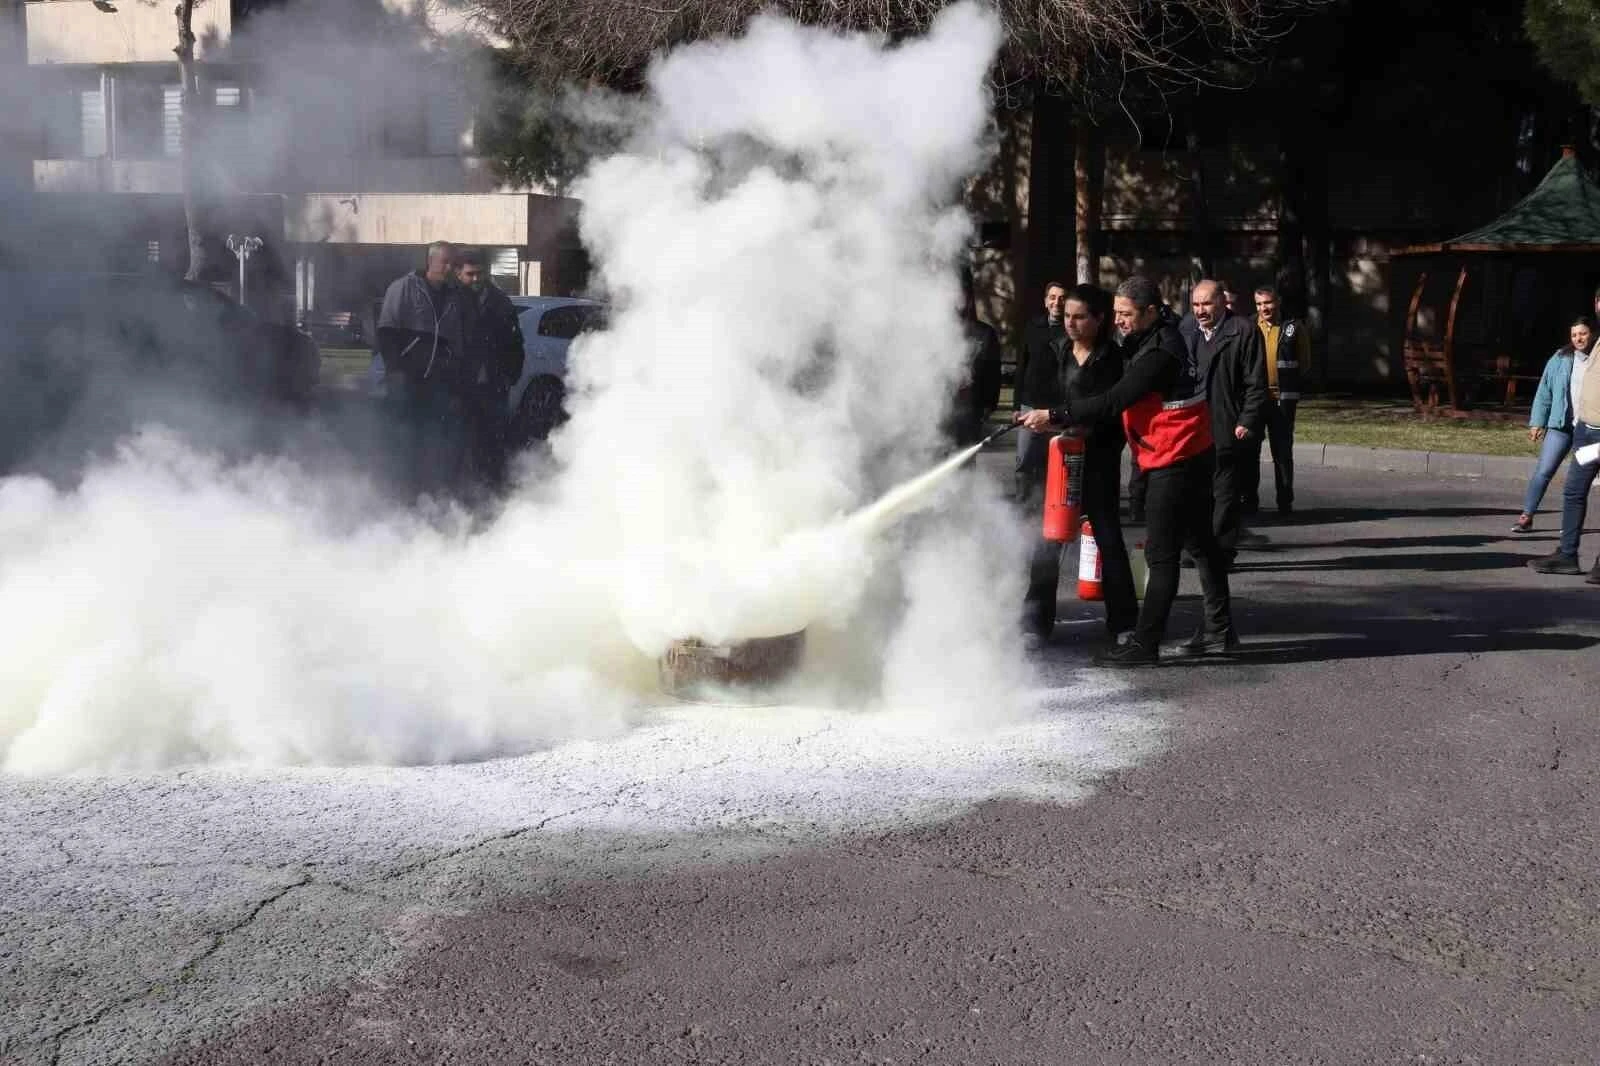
x=1162, y=401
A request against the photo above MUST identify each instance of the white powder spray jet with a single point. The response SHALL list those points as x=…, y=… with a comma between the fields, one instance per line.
x=778, y=239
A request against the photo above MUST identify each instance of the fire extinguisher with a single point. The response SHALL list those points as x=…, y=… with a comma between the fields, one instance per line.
x=1090, y=586
x=1063, y=489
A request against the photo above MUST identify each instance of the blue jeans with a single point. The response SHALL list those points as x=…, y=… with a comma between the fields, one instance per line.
x=1556, y=445
x=1575, y=497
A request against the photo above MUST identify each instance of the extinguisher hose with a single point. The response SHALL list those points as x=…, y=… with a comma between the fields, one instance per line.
x=997, y=434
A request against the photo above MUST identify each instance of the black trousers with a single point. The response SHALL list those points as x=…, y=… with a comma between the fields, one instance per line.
x=1227, y=488
x=1178, y=514
x=1102, y=498
x=1138, y=488
x=1280, y=438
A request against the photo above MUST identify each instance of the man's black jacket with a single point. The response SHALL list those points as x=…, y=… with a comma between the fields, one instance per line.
x=493, y=338
x=1233, y=364
x=1037, y=383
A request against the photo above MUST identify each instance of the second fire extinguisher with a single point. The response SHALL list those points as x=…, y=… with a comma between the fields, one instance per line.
x=1090, y=579
x=1063, y=489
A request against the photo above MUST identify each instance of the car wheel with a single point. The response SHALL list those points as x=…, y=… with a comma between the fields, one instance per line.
x=541, y=409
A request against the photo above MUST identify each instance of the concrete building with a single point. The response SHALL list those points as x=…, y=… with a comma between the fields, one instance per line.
x=347, y=147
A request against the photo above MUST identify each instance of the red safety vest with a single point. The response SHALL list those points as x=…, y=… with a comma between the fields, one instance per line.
x=1164, y=432
x=1167, y=429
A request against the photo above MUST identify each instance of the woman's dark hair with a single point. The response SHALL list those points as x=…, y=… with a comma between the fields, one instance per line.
x=1096, y=299
x=1586, y=321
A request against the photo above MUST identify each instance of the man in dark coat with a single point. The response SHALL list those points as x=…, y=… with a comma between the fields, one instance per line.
x=1038, y=381
x=979, y=394
x=1231, y=358
x=492, y=364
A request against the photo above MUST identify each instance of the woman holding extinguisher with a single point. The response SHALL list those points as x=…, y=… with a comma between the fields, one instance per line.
x=1088, y=364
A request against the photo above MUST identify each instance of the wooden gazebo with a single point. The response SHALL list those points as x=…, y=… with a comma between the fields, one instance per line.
x=1490, y=305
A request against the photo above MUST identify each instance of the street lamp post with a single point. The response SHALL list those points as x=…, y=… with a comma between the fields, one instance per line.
x=243, y=248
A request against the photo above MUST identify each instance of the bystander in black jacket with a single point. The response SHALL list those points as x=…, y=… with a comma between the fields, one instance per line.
x=492, y=365
x=1038, y=382
x=1233, y=363
x=979, y=394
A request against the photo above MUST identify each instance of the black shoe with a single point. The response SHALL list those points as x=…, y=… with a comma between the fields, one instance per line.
x=1594, y=575
x=1130, y=654
x=1286, y=508
x=1249, y=507
x=1203, y=643
x=1523, y=524
x=1556, y=563
x=1249, y=538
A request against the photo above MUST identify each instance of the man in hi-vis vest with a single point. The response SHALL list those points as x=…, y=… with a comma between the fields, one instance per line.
x=1288, y=344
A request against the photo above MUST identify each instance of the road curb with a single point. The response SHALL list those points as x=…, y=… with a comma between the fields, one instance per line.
x=1398, y=460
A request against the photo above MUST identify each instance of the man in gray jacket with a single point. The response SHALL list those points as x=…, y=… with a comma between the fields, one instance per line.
x=422, y=340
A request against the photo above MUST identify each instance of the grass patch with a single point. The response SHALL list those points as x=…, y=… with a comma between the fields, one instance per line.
x=343, y=364
x=1385, y=423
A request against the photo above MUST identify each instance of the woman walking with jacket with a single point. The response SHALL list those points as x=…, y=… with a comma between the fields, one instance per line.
x=1551, y=418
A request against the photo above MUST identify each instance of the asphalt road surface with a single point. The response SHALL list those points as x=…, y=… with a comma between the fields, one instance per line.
x=1370, y=838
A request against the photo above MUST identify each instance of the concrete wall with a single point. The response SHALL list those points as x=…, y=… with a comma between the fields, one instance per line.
x=380, y=219
x=75, y=31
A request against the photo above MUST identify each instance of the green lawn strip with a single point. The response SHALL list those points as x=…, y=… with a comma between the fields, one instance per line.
x=1382, y=423
x=342, y=364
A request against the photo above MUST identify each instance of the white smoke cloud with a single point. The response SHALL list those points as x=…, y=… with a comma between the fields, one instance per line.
x=778, y=240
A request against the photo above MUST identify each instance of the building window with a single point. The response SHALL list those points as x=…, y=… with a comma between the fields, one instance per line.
x=92, y=121
x=503, y=263
x=172, y=120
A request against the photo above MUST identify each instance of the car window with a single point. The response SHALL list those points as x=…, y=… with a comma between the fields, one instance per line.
x=563, y=323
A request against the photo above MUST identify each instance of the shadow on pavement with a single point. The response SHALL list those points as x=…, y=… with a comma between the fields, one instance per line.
x=1314, y=515
x=1429, y=561
x=1410, y=619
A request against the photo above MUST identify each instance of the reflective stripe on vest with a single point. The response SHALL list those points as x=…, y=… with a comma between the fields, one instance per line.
x=1288, y=369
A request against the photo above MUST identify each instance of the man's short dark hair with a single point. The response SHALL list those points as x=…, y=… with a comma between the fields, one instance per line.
x=472, y=257
x=1063, y=286
x=1142, y=291
x=1266, y=290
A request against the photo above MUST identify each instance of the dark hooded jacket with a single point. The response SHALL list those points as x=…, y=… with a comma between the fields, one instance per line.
x=1037, y=382
x=494, y=350
x=1233, y=364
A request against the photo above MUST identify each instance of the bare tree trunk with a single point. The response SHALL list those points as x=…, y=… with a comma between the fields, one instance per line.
x=1291, y=279
x=1089, y=166
x=1318, y=243
x=1049, y=177
x=189, y=103
x=1204, y=252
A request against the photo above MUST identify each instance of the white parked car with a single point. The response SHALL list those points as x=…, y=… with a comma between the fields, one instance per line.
x=549, y=323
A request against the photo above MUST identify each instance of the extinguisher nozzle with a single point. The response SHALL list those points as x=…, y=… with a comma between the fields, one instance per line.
x=997, y=434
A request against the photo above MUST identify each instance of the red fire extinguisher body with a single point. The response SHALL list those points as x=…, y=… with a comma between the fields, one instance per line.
x=1063, y=489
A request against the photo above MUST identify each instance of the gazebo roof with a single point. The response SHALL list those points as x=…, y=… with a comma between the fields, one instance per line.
x=1561, y=215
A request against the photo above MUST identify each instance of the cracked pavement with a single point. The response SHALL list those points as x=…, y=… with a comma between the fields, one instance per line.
x=1370, y=838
